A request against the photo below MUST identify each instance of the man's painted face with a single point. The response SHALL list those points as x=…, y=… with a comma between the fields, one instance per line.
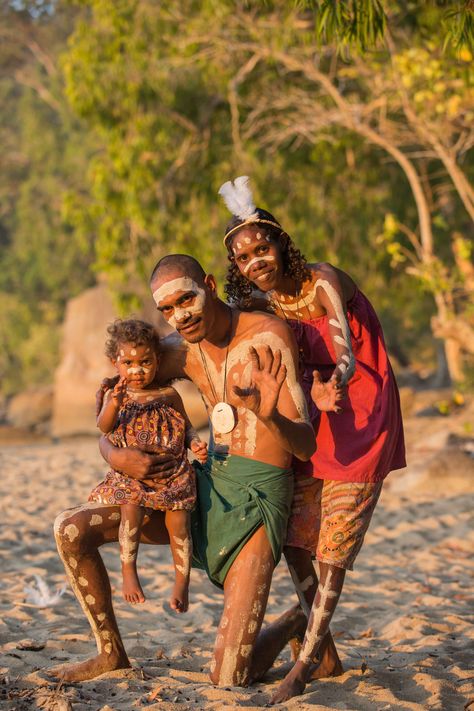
x=257, y=256
x=182, y=302
x=137, y=363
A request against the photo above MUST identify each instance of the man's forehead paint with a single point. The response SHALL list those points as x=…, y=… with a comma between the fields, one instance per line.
x=172, y=287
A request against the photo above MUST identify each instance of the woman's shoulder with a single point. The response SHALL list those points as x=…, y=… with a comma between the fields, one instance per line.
x=335, y=276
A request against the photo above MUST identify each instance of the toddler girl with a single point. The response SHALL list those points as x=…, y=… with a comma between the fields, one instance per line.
x=139, y=413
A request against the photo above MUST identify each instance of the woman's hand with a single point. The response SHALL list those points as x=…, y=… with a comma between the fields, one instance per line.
x=326, y=395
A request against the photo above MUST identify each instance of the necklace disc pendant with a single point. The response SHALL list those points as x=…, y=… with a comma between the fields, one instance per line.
x=223, y=418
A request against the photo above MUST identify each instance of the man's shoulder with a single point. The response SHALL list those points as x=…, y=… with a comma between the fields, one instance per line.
x=256, y=323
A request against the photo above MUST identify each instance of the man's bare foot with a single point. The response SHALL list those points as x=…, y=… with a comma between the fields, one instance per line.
x=90, y=668
x=330, y=664
x=179, y=598
x=131, y=588
x=292, y=685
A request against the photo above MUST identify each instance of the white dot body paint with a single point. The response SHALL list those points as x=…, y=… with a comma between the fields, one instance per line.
x=83, y=582
x=245, y=650
x=71, y=532
x=255, y=260
x=101, y=616
x=108, y=648
x=239, y=245
x=252, y=626
x=268, y=238
x=316, y=632
x=71, y=564
x=247, y=240
x=96, y=520
x=122, y=352
x=335, y=323
x=138, y=371
x=133, y=351
x=115, y=516
x=258, y=235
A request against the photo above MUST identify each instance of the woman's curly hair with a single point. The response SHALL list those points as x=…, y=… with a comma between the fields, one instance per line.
x=237, y=287
x=130, y=330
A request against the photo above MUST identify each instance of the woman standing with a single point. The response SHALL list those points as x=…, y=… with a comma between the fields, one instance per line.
x=359, y=442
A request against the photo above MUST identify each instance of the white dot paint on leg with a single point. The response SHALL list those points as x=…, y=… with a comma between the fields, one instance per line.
x=71, y=531
x=108, y=648
x=246, y=650
x=252, y=626
x=101, y=616
x=83, y=582
x=90, y=599
x=96, y=520
x=115, y=516
x=72, y=562
x=105, y=634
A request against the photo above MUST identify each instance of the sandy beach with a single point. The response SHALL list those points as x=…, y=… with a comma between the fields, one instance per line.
x=403, y=626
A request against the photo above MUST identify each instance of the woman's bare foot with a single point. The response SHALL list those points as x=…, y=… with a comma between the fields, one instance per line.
x=292, y=685
x=131, y=588
x=90, y=668
x=179, y=598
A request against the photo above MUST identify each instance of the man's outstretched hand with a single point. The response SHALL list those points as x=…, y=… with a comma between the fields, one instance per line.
x=267, y=376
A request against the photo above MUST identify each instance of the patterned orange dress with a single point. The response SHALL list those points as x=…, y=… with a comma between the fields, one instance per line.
x=154, y=427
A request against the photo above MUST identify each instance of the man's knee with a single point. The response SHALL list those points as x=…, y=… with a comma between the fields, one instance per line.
x=69, y=530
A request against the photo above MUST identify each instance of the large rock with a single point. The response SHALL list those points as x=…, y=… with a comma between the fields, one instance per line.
x=31, y=407
x=84, y=365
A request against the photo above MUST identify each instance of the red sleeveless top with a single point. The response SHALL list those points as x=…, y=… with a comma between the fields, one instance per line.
x=365, y=441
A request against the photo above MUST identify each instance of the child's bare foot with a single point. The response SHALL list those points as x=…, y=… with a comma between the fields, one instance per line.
x=131, y=588
x=179, y=599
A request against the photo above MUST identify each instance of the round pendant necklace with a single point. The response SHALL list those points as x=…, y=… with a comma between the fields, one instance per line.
x=223, y=414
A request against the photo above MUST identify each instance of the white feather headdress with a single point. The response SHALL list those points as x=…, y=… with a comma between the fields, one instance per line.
x=238, y=198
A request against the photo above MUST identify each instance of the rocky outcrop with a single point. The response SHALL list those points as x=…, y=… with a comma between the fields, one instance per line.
x=31, y=408
x=83, y=364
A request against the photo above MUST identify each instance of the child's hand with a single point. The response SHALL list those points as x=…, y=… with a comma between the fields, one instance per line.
x=106, y=384
x=199, y=448
x=119, y=391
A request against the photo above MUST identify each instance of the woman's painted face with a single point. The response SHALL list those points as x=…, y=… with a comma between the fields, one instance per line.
x=137, y=363
x=258, y=257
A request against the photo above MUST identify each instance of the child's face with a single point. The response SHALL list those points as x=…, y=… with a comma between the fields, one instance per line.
x=137, y=364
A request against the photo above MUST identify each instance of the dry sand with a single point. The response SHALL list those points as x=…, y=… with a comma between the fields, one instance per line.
x=403, y=626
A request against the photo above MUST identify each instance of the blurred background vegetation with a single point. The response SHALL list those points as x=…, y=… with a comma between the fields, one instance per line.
x=120, y=119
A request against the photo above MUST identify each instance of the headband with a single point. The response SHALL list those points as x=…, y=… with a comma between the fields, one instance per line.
x=239, y=201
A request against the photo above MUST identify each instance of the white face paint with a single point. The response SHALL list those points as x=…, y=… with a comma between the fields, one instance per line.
x=140, y=370
x=259, y=236
x=133, y=351
x=263, y=258
x=182, y=284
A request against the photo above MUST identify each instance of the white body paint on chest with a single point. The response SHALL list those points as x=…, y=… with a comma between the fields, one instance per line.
x=239, y=355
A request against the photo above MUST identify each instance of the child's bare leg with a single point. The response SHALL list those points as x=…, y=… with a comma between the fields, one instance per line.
x=129, y=538
x=177, y=523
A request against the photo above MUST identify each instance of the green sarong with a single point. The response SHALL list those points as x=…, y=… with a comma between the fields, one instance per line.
x=235, y=496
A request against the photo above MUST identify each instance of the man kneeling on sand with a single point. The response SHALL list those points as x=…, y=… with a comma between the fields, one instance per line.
x=244, y=364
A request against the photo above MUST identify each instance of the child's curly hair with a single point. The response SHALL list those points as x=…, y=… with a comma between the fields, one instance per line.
x=130, y=330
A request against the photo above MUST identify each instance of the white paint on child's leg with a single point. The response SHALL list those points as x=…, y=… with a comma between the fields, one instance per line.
x=115, y=516
x=101, y=616
x=184, y=552
x=90, y=599
x=83, y=582
x=128, y=545
x=96, y=520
